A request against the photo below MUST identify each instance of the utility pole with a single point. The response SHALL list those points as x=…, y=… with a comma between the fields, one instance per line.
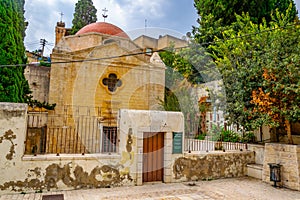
x=43, y=43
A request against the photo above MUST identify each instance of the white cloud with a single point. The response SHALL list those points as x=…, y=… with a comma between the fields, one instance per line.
x=129, y=15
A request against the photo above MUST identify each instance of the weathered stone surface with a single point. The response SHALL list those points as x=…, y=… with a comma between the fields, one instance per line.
x=287, y=156
x=211, y=166
x=28, y=173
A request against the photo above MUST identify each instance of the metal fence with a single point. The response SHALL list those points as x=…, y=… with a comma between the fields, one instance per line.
x=207, y=145
x=80, y=136
x=73, y=131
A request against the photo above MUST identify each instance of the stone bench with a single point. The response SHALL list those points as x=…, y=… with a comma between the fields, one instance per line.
x=255, y=170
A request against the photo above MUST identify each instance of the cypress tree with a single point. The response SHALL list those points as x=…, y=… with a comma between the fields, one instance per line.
x=85, y=13
x=13, y=85
x=23, y=23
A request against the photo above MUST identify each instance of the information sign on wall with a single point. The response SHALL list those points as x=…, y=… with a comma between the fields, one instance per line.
x=177, y=142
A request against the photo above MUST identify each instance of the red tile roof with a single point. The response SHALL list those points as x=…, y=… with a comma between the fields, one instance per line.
x=103, y=27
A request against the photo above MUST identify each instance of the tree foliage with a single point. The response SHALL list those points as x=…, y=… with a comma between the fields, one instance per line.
x=228, y=30
x=23, y=23
x=179, y=90
x=13, y=85
x=215, y=16
x=180, y=61
x=186, y=69
x=85, y=13
x=260, y=67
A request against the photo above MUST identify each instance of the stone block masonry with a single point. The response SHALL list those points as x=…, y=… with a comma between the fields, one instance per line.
x=194, y=167
x=50, y=172
x=289, y=157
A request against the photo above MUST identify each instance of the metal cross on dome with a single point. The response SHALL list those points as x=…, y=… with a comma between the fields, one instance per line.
x=104, y=15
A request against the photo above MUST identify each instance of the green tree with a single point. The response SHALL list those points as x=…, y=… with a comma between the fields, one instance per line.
x=85, y=13
x=179, y=95
x=13, y=85
x=186, y=69
x=180, y=61
x=215, y=16
x=260, y=69
x=23, y=23
x=220, y=20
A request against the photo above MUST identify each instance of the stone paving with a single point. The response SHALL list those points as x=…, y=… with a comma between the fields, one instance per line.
x=235, y=188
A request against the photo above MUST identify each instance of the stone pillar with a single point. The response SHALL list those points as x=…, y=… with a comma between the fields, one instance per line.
x=60, y=31
x=168, y=158
x=289, y=157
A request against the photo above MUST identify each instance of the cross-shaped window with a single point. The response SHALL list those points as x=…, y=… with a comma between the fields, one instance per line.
x=112, y=82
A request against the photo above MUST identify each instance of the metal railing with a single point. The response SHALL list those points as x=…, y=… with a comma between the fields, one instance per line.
x=207, y=145
x=71, y=132
x=81, y=136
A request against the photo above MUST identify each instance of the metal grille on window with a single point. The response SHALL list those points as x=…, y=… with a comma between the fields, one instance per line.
x=112, y=82
x=109, y=140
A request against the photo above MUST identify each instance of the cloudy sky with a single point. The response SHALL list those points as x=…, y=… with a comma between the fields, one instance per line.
x=174, y=17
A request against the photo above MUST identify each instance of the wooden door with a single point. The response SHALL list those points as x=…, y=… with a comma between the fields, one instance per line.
x=153, y=157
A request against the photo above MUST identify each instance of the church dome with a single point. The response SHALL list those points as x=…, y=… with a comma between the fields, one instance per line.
x=104, y=28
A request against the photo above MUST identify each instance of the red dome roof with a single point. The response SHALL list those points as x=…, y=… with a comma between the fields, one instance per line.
x=103, y=27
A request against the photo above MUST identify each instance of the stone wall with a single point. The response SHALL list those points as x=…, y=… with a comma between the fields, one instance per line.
x=26, y=173
x=29, y=173
x=288, y=156
x=13, y=119
x=38, y=78
x=263, y=134
x=167, y=40
x=296, y=139
x=259, y=152
x=192, y=167
x=88, y=84
x=151, y=121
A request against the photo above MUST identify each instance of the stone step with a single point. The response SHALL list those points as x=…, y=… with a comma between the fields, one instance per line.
x=255, y=170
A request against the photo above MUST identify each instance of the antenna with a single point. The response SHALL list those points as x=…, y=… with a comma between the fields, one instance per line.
x=104, y=15
x=145, y=26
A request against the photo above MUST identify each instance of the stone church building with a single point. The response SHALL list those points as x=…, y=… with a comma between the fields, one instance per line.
x=93, y=75
x=107, y=121
x=101, y=67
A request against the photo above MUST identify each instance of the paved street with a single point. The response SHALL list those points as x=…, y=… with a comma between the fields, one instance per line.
x=237, y=188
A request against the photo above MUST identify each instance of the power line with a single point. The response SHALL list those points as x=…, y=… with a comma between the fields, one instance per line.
x=140, y=53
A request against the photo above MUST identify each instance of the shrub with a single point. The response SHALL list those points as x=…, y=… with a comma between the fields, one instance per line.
x=248, y=137
x=201, y=136
x=230, y=136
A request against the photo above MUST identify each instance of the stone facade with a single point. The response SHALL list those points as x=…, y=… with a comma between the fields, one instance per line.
x=38, y=78
x=194, y=167
x=151, y=121
x=93, y=74
x=139, y=79
x=152, y=44
x=267, y=134
x=75, y=171
x=255, y=169
x=288, y=156
x=124, y=167
x=13, y=121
